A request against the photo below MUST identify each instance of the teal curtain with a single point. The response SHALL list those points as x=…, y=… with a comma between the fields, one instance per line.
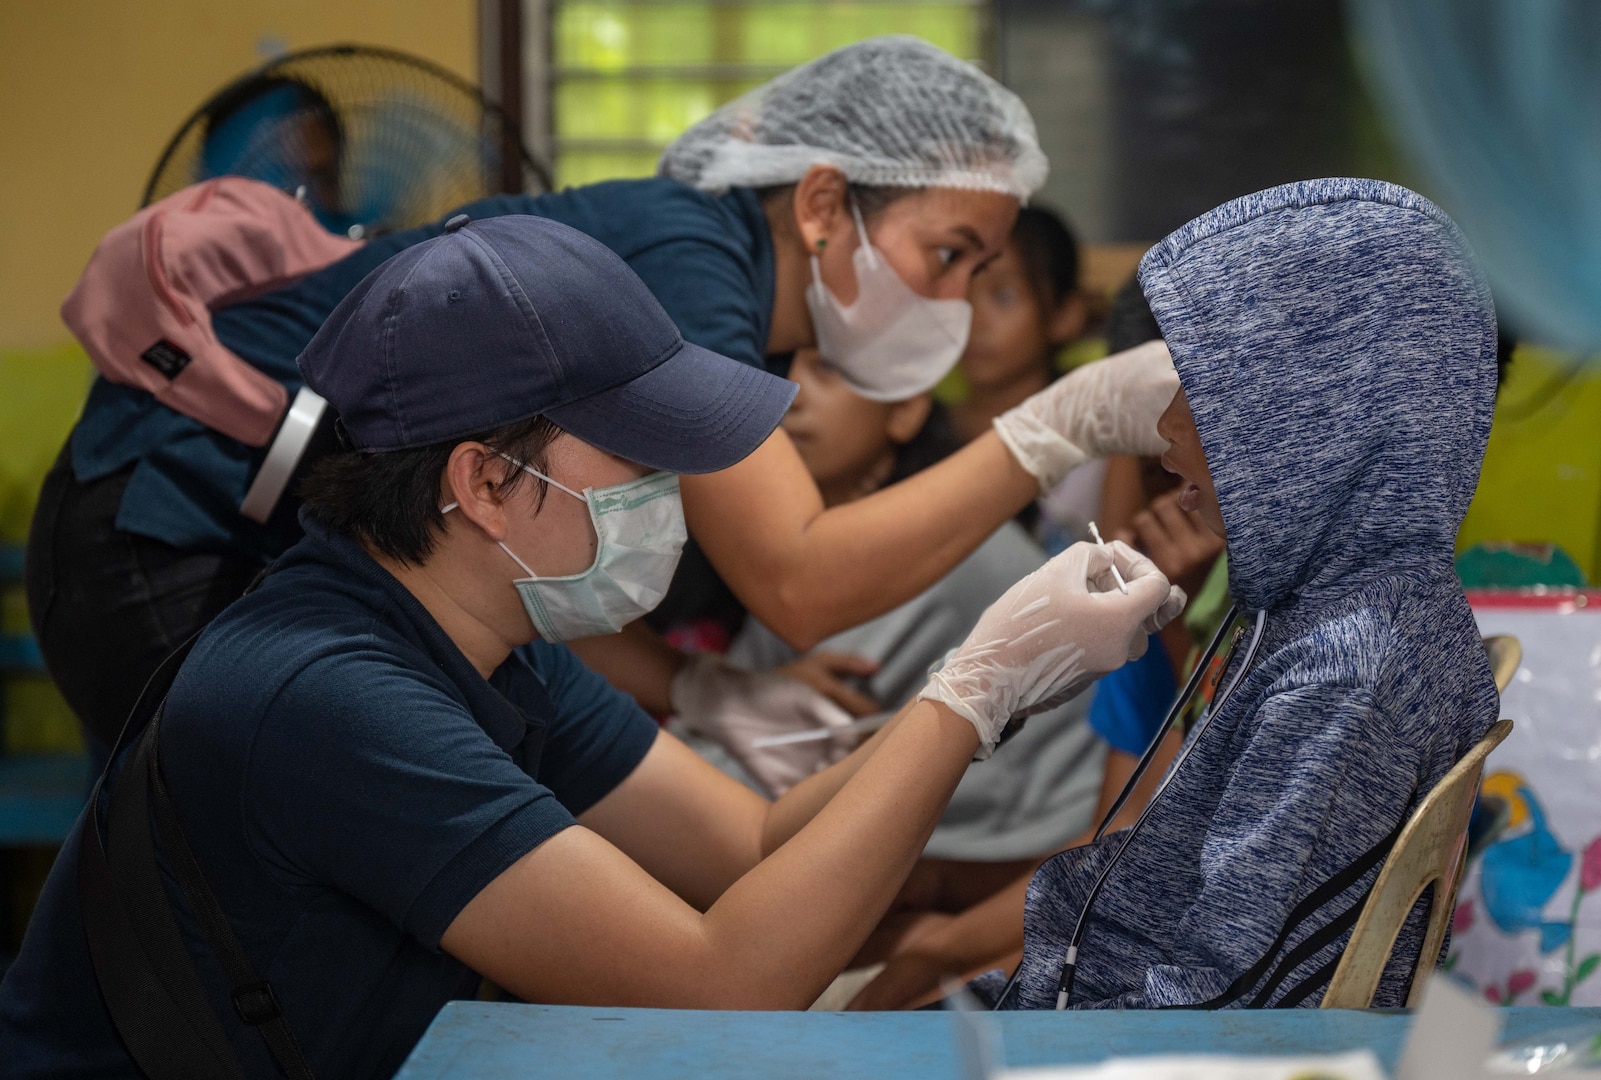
x=1498, y=103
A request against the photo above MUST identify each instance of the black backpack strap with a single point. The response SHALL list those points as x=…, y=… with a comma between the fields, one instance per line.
x=253, y=998
x=146, y=974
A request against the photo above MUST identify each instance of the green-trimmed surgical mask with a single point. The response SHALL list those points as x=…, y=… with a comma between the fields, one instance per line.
x=640, y=532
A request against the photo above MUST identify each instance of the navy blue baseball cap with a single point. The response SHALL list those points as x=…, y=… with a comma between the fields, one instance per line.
x=504, y=319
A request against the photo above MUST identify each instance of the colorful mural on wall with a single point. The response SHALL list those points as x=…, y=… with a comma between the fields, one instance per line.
x=1527, y=926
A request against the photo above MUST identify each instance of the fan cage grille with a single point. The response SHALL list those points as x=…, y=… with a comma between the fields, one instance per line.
x=381, y=140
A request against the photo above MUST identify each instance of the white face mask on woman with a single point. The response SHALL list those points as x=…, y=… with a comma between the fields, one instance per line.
x=639, y=531
x=891, y=344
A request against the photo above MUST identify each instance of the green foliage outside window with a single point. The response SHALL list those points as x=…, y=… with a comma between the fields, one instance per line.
x=629, y=76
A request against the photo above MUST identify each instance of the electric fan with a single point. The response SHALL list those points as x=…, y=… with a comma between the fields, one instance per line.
x=374, y=139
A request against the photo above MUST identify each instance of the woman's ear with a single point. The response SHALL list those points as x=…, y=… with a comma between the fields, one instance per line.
x=474, y=475
x=1067, y=321
x=906, y=418
x=822, y=213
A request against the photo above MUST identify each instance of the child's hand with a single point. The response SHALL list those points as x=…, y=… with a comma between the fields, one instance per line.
x=1180, y=544
x=826, y=672
x=737, y=708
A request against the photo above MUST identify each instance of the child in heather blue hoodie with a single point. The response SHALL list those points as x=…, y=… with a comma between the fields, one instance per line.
x=1336, y=347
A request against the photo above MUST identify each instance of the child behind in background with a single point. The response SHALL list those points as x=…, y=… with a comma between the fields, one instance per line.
x=1027, y=308
x=1041, y=790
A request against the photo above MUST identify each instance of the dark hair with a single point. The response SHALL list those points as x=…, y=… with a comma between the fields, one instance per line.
x=1050, y=255
x=390, y=501
x=1130, y=322
x=1505, y=346
x=934, y=442
x=873, y=201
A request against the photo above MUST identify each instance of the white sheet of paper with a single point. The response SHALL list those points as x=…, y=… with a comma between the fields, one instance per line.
x=1451, y=1037
x=1354, y=1065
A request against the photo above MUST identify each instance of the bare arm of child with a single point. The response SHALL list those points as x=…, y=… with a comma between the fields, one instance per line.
x=1122, y=496
x=950, y=946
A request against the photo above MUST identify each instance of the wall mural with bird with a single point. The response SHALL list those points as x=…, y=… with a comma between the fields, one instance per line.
x=1527, y=925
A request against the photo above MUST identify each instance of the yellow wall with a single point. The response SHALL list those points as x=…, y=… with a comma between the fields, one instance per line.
x=90, y=91
x=1542, y=472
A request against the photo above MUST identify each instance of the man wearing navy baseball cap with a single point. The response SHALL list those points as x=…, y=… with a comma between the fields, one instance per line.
x=392, y=779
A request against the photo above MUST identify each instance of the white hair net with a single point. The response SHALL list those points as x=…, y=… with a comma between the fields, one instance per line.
x=887, y=112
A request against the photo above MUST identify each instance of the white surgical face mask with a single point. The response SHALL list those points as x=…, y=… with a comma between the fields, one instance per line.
x=639, y=530
x=891, y=344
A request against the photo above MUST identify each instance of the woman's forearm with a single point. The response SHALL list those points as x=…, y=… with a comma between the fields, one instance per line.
x=807, y=572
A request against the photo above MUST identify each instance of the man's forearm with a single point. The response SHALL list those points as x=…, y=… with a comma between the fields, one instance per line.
x=797, y=806
x=832, y=881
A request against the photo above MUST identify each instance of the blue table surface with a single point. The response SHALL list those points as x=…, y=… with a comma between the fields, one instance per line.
x=483, y=1040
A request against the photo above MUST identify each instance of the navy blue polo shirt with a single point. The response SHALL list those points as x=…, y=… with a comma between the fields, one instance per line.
x=349, y=782
x=708, y=260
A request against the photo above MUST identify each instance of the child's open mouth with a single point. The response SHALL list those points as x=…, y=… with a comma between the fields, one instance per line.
x=1189, y=494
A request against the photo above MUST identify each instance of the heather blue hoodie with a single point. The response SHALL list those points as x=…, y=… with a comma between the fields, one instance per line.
x=1337, y=346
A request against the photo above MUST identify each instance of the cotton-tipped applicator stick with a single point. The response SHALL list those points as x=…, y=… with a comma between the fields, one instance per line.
x=1121, y=584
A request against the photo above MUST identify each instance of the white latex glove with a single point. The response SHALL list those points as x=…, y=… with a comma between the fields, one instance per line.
x=736, y=707
x=1051, y=635
x=1130, y=561
x=1107, y=407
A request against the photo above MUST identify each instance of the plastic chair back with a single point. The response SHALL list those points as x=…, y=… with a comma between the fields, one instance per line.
x=1506, y=653
x=1431, y=850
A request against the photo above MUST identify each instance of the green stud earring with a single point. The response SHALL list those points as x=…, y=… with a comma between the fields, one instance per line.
x=821, y=243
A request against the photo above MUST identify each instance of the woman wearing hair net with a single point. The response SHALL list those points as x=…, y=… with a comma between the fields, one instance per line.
x=887, y=173
x=846, y=204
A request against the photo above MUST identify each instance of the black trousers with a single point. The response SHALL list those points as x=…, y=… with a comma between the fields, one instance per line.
x=108, y=606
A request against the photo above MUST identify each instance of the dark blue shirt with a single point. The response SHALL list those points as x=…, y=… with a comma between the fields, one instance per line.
x=349, y=782
x=708, y=260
